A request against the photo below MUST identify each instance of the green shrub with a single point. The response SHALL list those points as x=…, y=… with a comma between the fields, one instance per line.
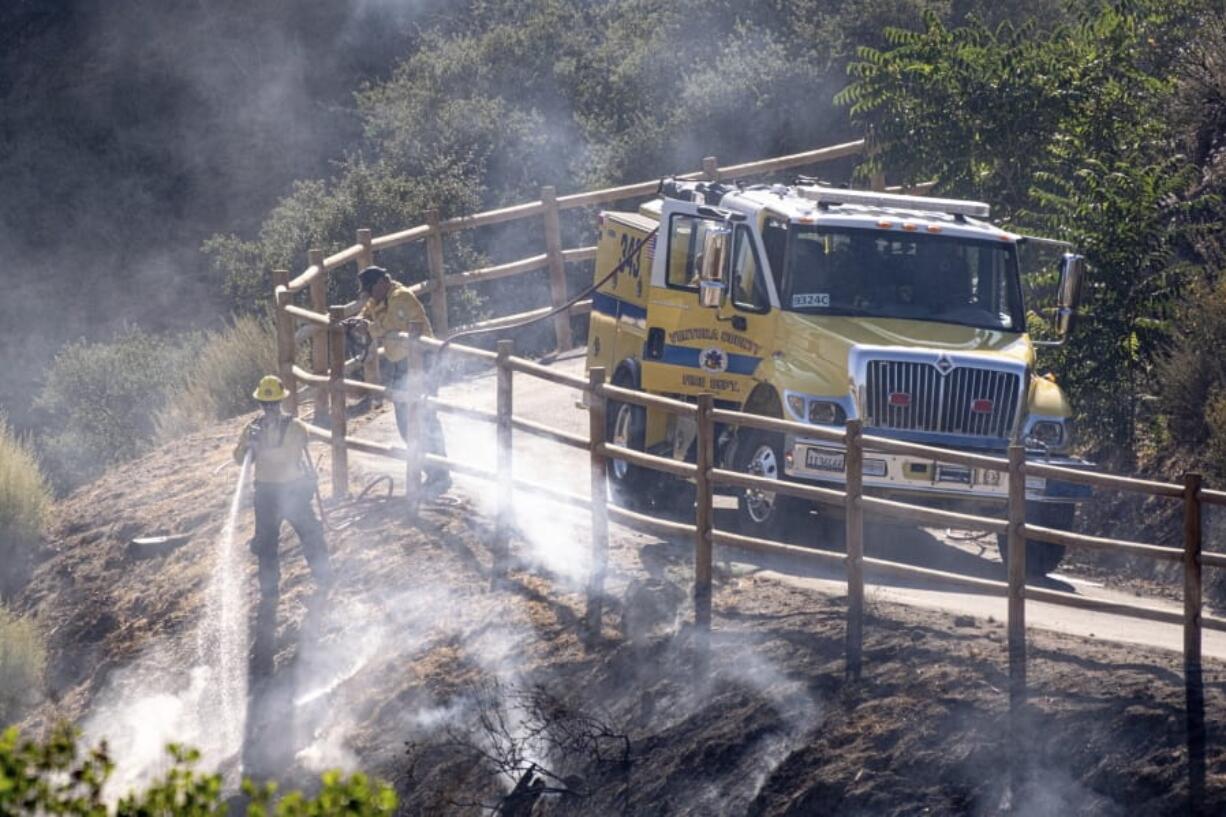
x=1190, y=378
x=221, y=372
x=55, y=776
x=24, y=498
x=23, y=659
x=102, y=399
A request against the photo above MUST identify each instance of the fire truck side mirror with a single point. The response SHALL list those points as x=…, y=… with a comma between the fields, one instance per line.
x=1072, y=272
x=715, y=244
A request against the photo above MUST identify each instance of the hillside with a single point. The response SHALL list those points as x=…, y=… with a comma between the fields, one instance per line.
x=418, y=671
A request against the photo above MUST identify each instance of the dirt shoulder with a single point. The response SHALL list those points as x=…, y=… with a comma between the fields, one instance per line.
x=417, y=663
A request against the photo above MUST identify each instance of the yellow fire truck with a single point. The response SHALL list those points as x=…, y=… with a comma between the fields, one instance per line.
x=819, y=304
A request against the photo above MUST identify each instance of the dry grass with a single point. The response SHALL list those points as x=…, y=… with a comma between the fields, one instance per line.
x=220, y=376
x=23, y=659
x=24, y=500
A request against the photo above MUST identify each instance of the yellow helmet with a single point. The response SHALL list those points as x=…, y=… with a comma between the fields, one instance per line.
x=270, y=390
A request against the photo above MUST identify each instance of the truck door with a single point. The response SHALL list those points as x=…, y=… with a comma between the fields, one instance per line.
x=1039, y=265
x=690, y=348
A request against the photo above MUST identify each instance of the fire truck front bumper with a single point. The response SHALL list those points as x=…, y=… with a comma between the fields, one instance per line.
x=903, y=474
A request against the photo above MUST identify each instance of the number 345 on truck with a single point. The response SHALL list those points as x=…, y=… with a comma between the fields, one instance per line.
x=820, y=305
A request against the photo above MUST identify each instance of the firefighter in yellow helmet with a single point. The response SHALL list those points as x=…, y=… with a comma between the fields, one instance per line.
x=284, y=486
x=389, y=310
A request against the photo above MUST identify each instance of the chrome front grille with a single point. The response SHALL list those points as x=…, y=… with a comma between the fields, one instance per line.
x=915, y=396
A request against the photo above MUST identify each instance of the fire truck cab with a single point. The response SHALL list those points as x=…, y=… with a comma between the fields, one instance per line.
x=817, y=305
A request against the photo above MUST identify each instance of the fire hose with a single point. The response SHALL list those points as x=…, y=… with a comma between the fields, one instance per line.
x=431, y=370
x=362, y=341
x=631, y=255
x=325, y=513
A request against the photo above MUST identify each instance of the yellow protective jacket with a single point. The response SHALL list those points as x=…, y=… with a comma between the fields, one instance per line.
x=394, y=315
x=278, y=448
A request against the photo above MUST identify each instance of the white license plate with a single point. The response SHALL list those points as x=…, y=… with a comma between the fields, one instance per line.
x=819, y=460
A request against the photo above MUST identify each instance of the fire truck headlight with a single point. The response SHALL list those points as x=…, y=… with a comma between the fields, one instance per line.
x=826, y=412
x=817, y=410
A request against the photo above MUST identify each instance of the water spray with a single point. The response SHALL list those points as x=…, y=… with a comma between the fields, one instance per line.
x=222, y=637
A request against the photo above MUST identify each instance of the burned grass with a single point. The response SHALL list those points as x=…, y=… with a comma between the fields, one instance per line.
x=389, y=678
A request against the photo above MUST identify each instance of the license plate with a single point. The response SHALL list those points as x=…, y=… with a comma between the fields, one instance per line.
x=952, y=473
x=823, y=460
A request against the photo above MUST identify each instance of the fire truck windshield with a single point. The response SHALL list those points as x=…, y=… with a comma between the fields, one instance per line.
x=916, y=276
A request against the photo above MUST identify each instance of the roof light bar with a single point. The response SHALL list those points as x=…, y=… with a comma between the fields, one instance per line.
x=869, y=198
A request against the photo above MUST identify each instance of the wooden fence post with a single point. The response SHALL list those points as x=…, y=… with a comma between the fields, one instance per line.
x=370, y=367
x=557, y=268
x=319, y=340
x=854, y=511
x=600, y=513
x=336, y=371
x=703, y=513
x=366, y=258
x=438, y=283
x=1017, y=612
x=502, y=531
x=1193, y=681
x=710, y=168
x=286, y=345
x=413, y=396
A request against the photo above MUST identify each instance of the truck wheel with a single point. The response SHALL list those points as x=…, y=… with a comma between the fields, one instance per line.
x=764, y=514
x=626, y=425
x=1041, y=557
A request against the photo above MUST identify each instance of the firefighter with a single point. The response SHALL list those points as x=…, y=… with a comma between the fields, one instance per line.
x=284, y=486
x=389, y=309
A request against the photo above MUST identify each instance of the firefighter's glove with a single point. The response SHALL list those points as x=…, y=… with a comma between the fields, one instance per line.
x=357, y=337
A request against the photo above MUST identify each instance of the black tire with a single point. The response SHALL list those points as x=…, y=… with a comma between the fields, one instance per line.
x=761, y=514
x=630, y=486
x=1041, y=557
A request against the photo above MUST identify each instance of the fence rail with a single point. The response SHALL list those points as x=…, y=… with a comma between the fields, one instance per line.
x=438, y=282
x=325, y=377
x=705, y=474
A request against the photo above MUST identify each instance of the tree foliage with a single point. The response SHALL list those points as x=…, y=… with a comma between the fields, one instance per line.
x=504, y=98
x=56, y=777
x=1062, y=130
x=101, y=399
x=107, y=401
x=984, y=111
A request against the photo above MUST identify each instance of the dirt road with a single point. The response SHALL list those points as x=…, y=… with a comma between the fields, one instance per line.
x=559, y=534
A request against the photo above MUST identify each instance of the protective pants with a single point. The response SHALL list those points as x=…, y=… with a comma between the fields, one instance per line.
x=276, y=502
x=432, y=431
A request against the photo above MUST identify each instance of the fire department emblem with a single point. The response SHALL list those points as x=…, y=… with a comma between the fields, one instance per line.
x=713, y=360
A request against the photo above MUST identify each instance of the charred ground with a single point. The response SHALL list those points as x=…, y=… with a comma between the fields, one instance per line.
x=417, y=655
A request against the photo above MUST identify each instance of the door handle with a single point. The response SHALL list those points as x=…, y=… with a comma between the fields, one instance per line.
x=653, y=347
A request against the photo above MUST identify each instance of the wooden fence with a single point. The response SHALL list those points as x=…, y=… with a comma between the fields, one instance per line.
x=706, y=476
x=326, y=379
x=297, y=322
